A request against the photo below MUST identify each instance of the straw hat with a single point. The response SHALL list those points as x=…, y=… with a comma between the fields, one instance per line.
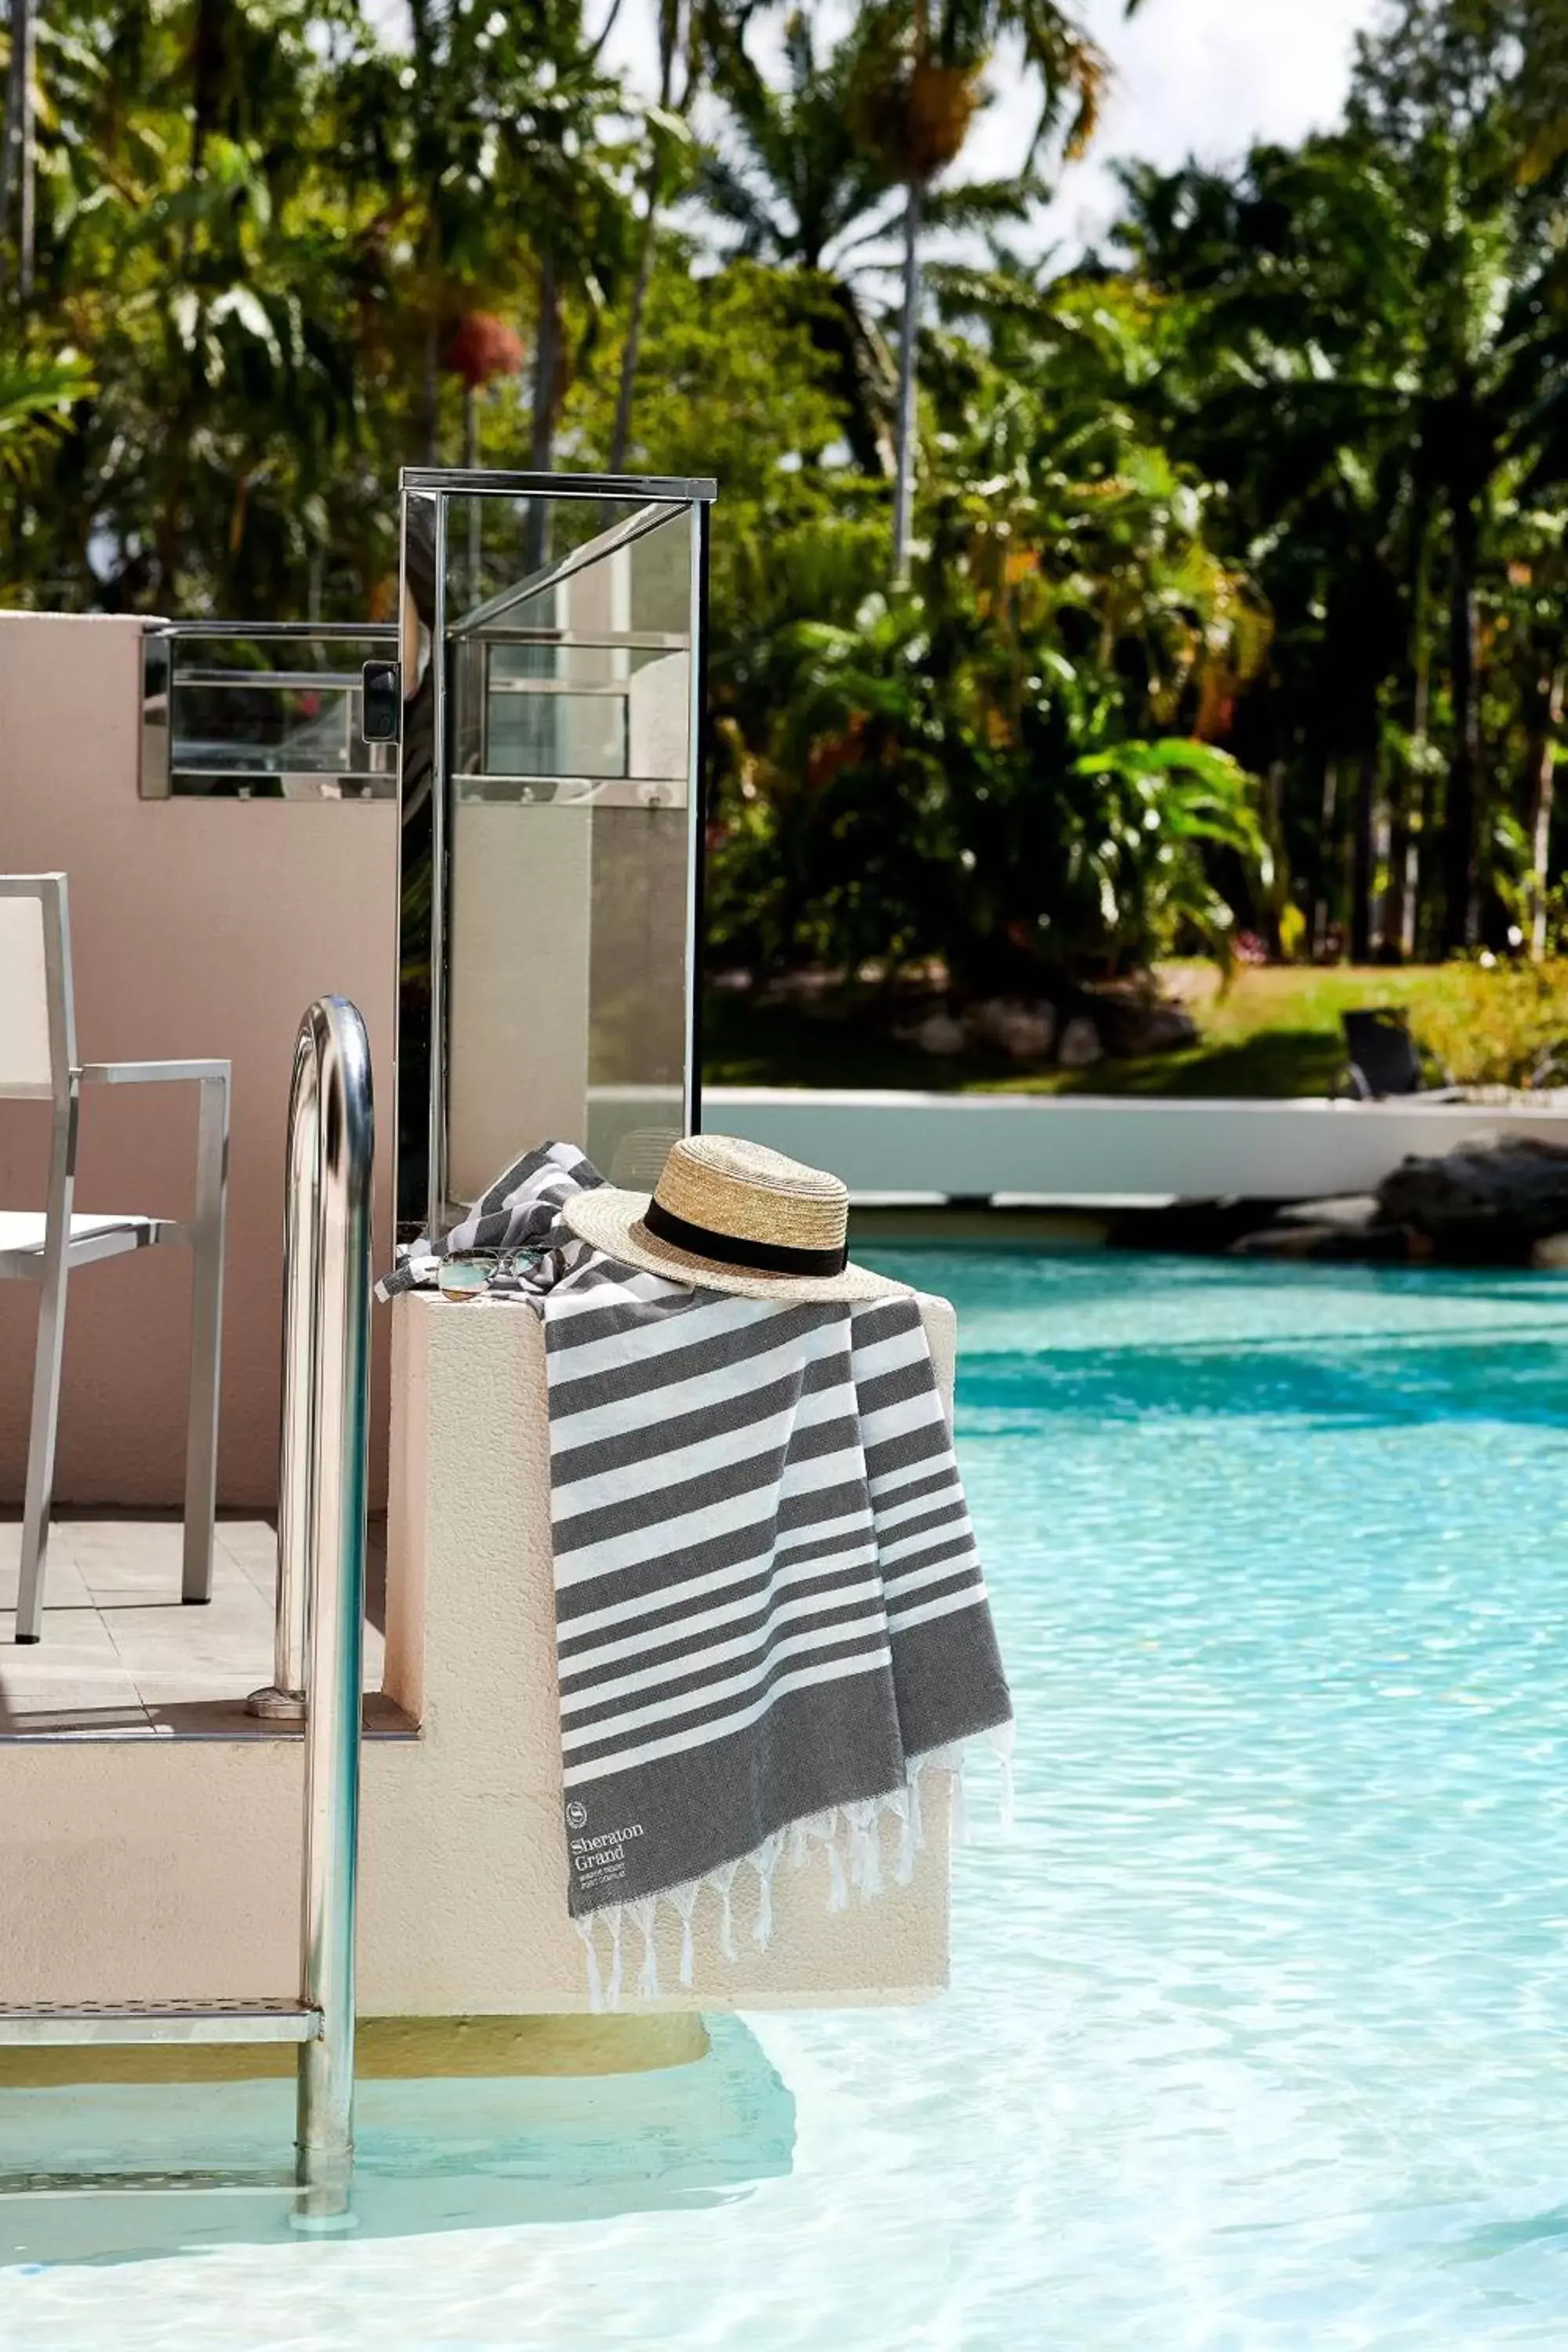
x=734, y=1217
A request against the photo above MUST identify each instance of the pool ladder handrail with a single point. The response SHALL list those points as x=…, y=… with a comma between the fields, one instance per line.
x=321, y=1613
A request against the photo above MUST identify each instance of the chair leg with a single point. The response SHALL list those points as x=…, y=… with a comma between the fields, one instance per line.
x=46, y=1370
x=41, y=1453
x=206, y=1340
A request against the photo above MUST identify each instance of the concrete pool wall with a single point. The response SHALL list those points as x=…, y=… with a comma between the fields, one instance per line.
x=1094, y=1147
x=165, y=1866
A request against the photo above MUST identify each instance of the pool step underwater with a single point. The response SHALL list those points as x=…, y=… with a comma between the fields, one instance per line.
x=421, y=2048
x=57, y=2025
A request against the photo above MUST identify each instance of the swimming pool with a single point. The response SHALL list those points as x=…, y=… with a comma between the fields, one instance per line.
x=1258, y=2018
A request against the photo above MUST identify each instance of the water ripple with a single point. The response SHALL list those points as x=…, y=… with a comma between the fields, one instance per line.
x=1258, y=2015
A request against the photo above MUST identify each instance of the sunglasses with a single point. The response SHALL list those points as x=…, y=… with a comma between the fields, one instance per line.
x=468, y=1273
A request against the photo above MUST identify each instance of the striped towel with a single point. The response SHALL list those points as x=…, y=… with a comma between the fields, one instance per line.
x=770, y=1609
x=519, y=1212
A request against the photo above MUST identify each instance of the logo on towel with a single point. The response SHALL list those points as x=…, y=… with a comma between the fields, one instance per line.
x=603, y=1858
x=576, y=1815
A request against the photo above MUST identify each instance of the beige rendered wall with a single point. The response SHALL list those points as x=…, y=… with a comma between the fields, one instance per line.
x=518, y=1018
x=199, y=928
x=567, y=952
x=167, y=1868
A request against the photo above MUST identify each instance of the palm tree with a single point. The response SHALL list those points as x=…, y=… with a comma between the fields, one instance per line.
x=501, y=137
x=919, y=88
x=1379, y=346
x=801, y=187
x=696, y=40
x=17, y=158
x=1292, y=383
x=1471, y=106
x=797, y=189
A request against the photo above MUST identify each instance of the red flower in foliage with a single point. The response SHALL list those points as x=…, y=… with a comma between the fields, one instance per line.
x=481, y=347
x=836, y=752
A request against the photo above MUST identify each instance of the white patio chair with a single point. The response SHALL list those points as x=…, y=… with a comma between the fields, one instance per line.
x=38, y=1061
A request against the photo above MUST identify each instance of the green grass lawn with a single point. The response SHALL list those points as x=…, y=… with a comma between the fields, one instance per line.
x=1273, y=1031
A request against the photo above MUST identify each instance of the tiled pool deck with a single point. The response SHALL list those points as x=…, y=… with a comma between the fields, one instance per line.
x=121, y=1657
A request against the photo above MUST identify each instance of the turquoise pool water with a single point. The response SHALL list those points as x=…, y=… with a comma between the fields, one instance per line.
x=1257, y=2043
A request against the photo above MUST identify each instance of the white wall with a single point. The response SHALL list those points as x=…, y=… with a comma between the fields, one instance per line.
x=1081, y=1145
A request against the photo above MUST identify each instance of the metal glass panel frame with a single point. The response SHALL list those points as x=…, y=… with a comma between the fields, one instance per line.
x=682, y=489
x=256, y=768
x=427, y=802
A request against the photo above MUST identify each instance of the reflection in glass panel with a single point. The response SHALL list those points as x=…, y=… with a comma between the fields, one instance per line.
x=418, y=1108
x=264, y=712
x=565, y=656
x=573, y=682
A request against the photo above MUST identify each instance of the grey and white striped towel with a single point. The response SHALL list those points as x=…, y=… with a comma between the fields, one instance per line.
x=770, y=1609
x=519, y=1212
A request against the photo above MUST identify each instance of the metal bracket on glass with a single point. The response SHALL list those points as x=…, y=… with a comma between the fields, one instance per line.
x=381, y=701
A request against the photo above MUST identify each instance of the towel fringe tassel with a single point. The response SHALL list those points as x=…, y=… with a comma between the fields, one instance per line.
x=584, y=1927
x=851, y=1839
x=683, y=1902
x=904, y=1807
x=764, y=1861
x=645, y=1911
x=917, y=1817
x=837, y=1884
x=865, y=1846
x=1001, y=1742
x=723, y=1879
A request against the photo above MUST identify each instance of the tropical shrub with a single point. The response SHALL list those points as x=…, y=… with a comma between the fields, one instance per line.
x=907, y=803
x=1004, y=767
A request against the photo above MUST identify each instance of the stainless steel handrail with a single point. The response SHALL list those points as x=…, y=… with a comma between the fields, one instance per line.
x=284, y=1698
x=321, y=1547
x=326, y=1324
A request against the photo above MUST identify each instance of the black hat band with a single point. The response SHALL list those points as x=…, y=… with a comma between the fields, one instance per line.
x=759, y=1257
